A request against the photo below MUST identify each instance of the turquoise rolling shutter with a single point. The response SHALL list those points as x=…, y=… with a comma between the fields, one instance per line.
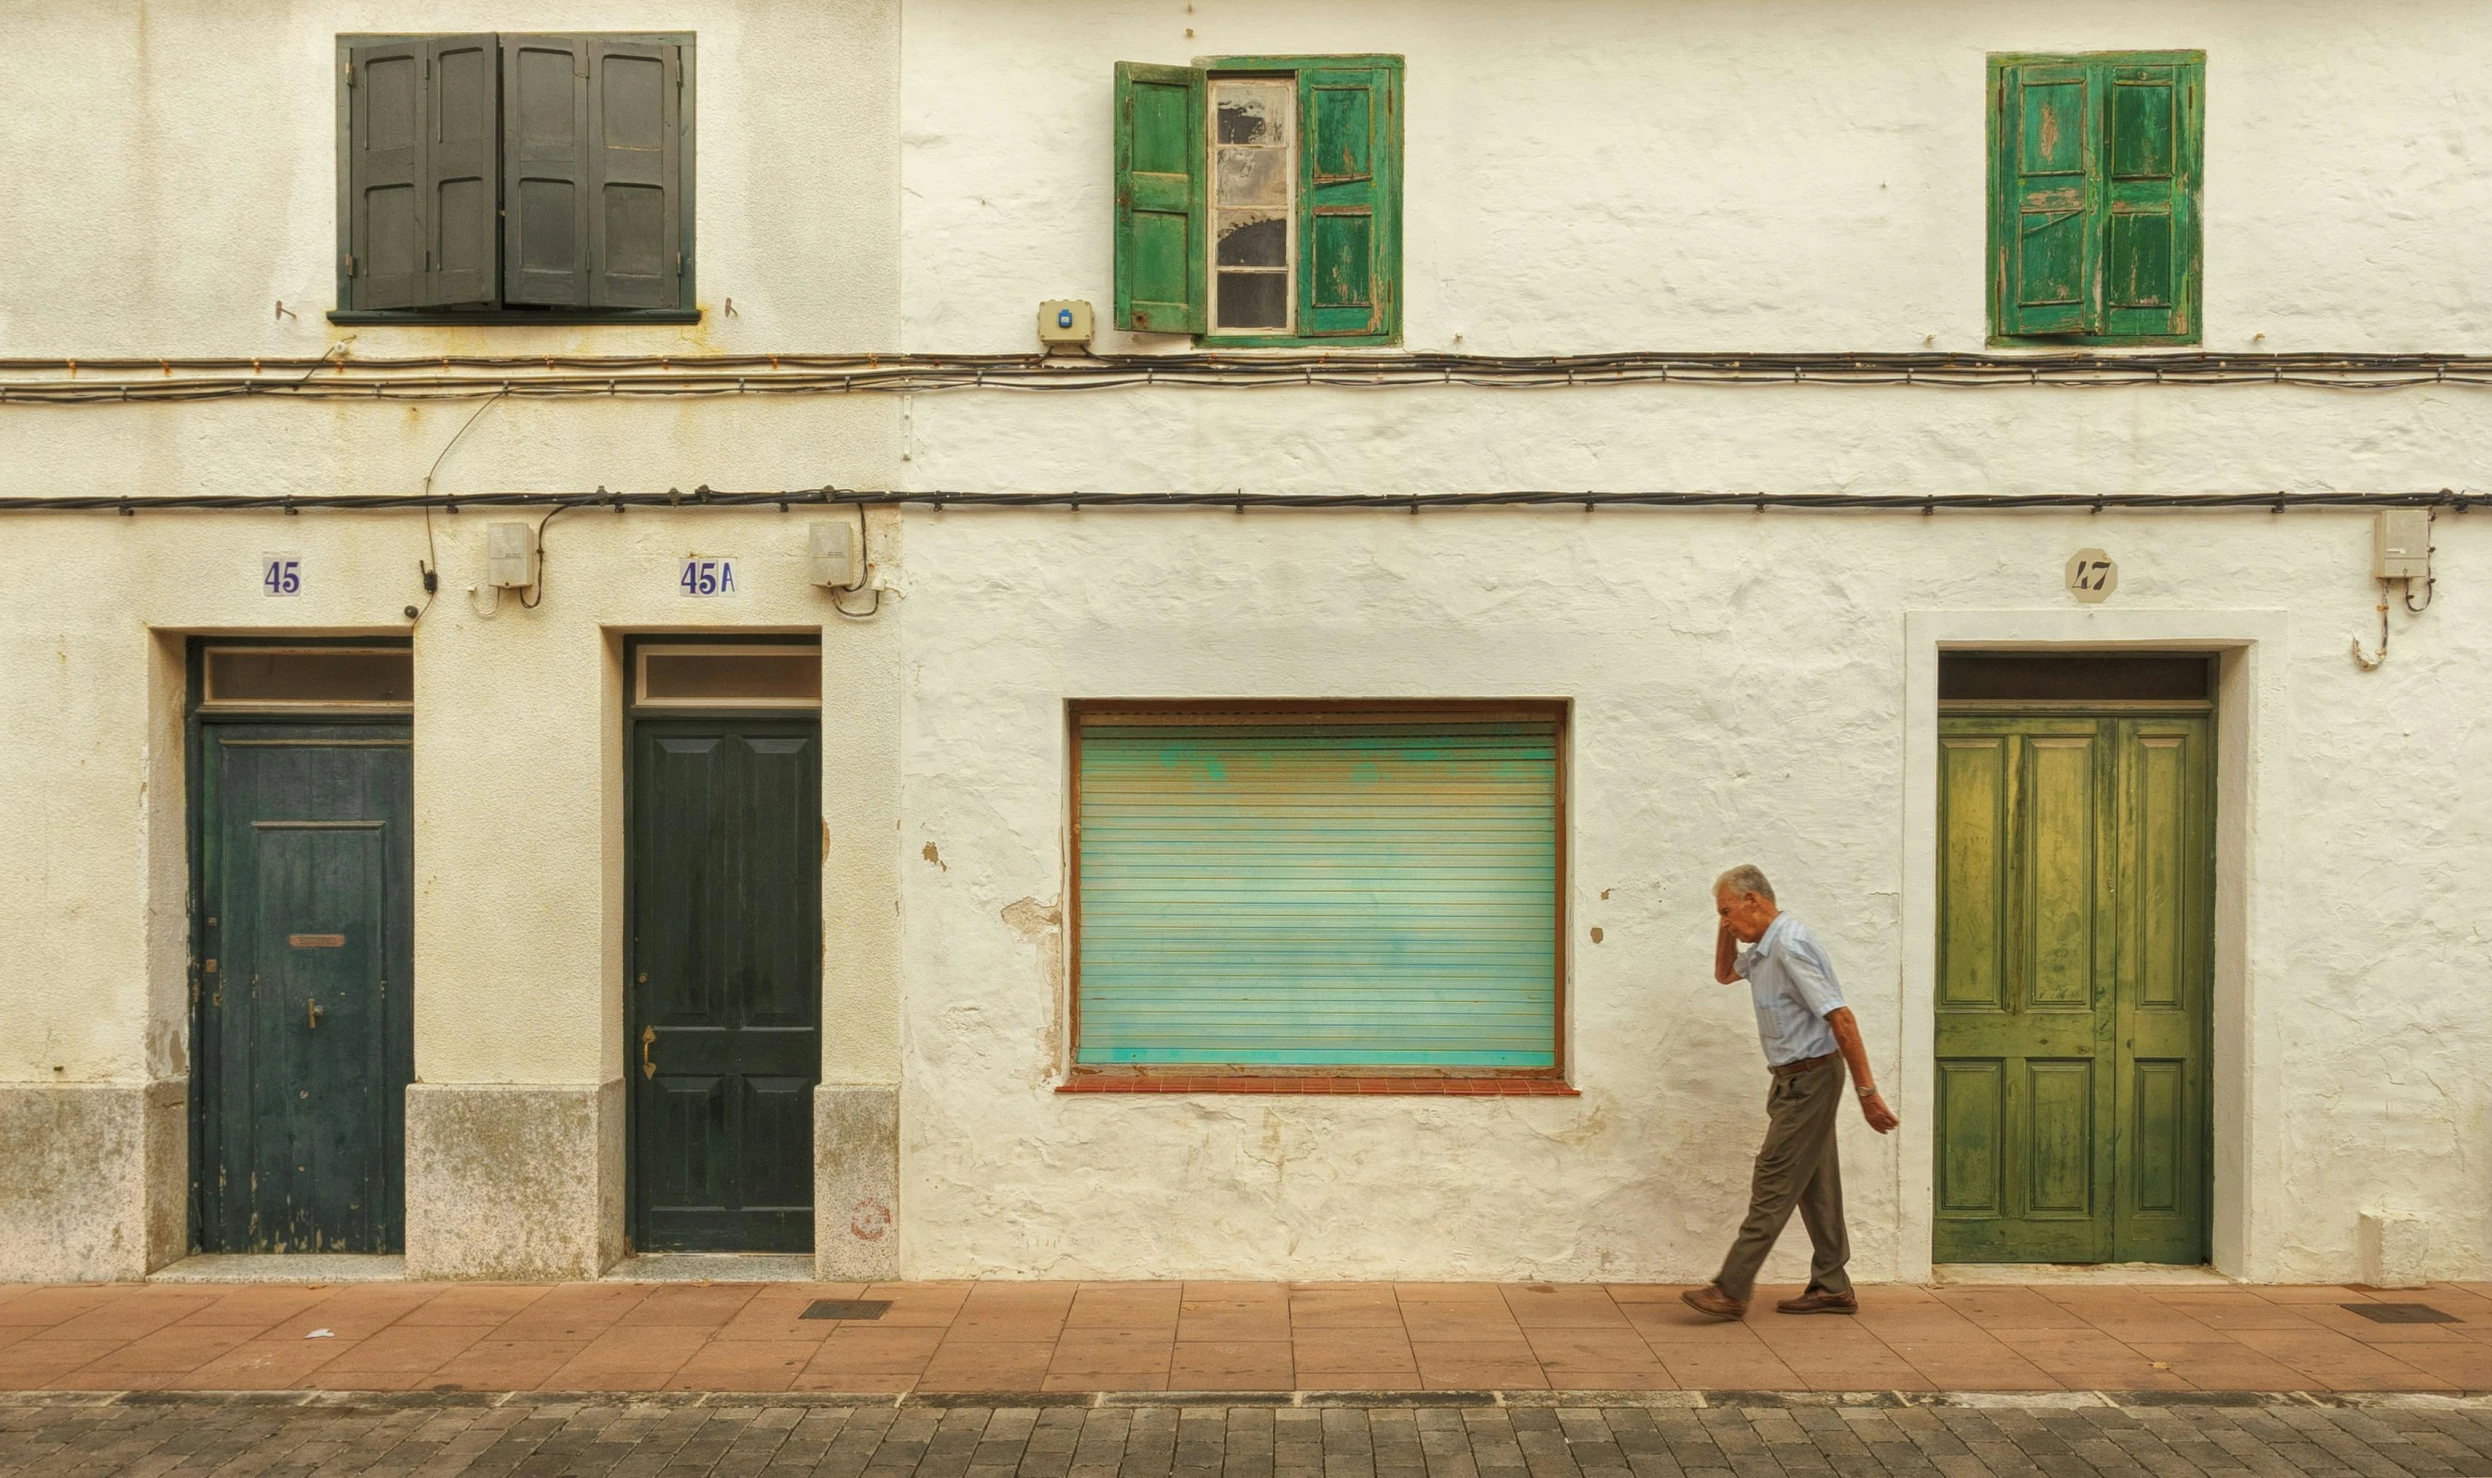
x=1373, y=890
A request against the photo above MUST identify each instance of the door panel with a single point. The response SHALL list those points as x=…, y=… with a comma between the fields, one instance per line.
x=2072, y=987
x=2023, y=880
x=306, y=1041
x=2167, y=891
x=725, y=1014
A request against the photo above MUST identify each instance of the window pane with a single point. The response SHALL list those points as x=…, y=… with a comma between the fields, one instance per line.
x=2078, y=677
x=1254, y=112
x=1254, y=300
x=728, y=676
x=334, y=675
x=1253, y=238
x=1254, y=177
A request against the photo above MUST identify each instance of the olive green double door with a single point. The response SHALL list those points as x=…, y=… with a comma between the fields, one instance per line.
x=2075, y=898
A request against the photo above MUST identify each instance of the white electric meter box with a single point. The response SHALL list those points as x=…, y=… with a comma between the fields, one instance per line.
x=510, y=556
x=832, y=558
x=2401, y=544
x=1064, y=325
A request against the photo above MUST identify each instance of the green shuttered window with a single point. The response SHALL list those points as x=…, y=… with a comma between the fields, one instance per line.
x=514, y=177
x=1259, y=199
x=2095, y=168
x=1318, y=889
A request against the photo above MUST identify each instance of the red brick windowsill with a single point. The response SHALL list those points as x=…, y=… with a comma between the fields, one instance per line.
x=1337, y=1085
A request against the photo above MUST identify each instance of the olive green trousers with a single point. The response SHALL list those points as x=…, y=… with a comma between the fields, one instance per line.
x=1796, y=1168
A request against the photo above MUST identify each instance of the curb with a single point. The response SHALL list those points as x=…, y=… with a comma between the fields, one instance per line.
x=1283, y=1400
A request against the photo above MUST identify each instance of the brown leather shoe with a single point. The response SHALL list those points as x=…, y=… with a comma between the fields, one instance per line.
x=1814, y=1301
x=1713, y=1303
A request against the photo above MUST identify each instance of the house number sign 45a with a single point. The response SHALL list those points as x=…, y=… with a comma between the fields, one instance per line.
x=706, y=575
x=2092, y=576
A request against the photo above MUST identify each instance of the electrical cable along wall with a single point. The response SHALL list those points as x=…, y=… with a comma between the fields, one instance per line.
x=461, y=377
x=1379, y=502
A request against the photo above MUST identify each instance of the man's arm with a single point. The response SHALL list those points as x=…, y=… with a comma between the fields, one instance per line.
x=1856, y=1057
x=1725, y=954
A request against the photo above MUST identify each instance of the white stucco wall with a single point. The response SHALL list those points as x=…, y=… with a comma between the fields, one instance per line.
x=1688, y=176
x=1738, y=690
x=173, y=176
x=1581, y=177
x=1712, y=174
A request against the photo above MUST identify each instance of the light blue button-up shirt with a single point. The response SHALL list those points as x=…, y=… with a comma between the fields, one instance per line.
x=1793, y=985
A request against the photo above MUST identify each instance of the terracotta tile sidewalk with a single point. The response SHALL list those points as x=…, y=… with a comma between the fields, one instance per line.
x=1222, y=1337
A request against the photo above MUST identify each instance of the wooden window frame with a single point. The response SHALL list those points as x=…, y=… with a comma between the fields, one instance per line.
x=639, y=700
x=1328, y=1080
x=205, y=700
x=687, y=308
x=1389, y=190
x=2189, y=143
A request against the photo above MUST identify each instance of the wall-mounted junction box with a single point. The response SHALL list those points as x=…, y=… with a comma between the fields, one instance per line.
x=510, y=556
x=2401, y=544
x=832, y=557
x=1064, y=325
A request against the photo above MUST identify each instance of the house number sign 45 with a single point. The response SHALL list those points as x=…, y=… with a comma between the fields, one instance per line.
x=706, y=574
x=281, y=574
x=2092, y=576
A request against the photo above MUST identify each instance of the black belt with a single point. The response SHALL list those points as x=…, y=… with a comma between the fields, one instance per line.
x=1786, y=1069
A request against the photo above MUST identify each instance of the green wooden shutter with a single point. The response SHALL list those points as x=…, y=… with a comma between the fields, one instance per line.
x=1371, y=890
x=386, y=132
x=545, y=152
x=2043, y=205
x=462, y=169
x=2095, y=164
x=1160, y=226
x=635, y=100
x=1349, y=224
x=2150, y=254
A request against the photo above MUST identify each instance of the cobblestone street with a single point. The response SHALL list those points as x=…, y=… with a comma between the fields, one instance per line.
x=1750, y=1436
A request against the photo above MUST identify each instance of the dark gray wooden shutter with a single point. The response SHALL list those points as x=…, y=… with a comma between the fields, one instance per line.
x=462, y=170
x=635, y=107
x=545, y=136
x=385, y=174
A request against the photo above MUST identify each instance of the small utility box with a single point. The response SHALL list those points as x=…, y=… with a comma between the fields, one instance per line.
x=1064, y=326
x=2401, y=544
x=510, y=556
x=832, y=558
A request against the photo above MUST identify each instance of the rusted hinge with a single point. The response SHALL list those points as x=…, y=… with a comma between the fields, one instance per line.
x=350, y=74
x=350, y=264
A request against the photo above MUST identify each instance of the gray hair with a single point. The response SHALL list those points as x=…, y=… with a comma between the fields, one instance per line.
x=1745, y=879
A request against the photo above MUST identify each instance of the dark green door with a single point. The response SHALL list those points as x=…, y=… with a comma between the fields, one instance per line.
x=2076, y=891
x=726, y=1004
x=306, y=1040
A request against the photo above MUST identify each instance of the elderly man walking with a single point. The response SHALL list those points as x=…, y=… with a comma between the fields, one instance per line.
x=1810, y=1037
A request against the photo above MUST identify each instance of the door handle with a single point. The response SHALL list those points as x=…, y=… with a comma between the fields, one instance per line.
x=648, y=1038
x=311, y=1013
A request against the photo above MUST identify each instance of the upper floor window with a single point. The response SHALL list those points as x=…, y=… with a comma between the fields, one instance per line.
x=2095, y=163
x=517, y=178
x=1259, y=199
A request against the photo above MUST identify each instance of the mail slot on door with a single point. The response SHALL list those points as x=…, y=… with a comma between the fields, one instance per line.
x=317, y=941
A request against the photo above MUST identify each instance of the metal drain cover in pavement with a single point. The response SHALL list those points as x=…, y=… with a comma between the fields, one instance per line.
x=2403, y=1314
x=849, y=1308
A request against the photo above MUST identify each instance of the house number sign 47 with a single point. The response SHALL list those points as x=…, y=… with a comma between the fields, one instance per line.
x=2092, y=576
